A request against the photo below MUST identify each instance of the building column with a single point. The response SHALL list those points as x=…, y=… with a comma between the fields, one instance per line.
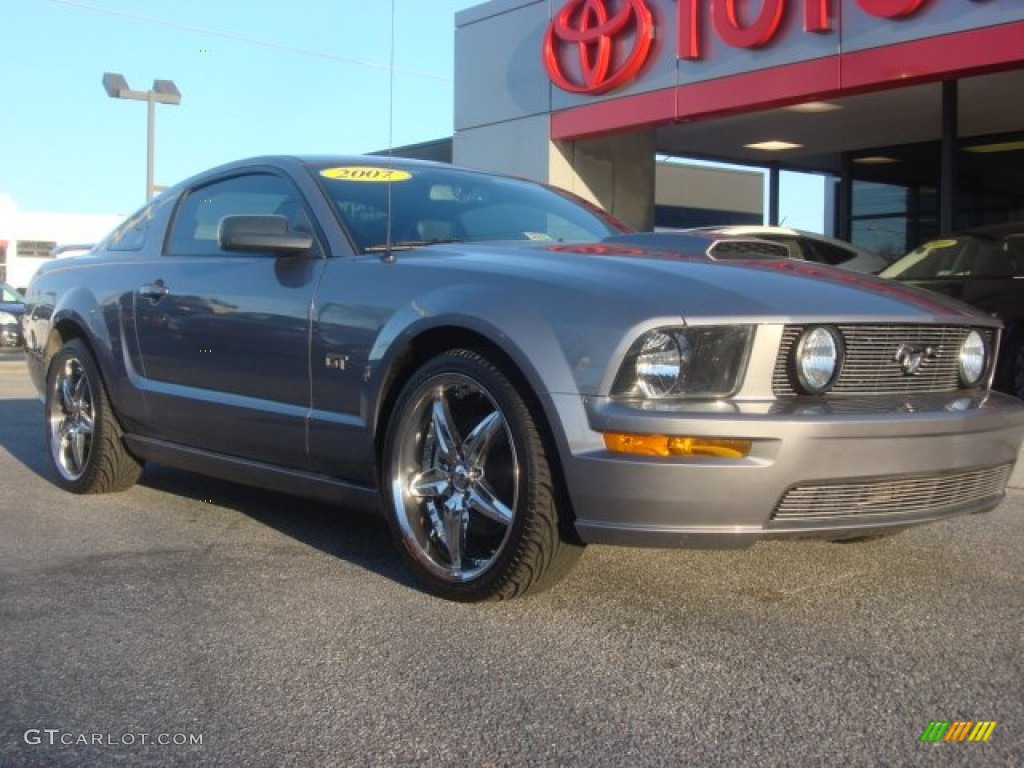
x=948, y=160
x=844, y=199
x=616, y=172
x=774, y=186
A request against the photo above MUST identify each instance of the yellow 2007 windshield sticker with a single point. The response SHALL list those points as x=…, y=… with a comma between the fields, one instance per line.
x=365, y=173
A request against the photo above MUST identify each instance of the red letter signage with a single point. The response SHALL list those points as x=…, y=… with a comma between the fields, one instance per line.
x=890, y=9
x=731, y=29
x=816, y=16
x=734, y=30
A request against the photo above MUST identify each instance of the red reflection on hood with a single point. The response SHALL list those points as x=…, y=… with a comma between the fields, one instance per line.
x=869, y=282
x=598, y=250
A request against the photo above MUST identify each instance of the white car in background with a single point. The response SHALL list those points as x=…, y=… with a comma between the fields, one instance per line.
x=810, y=246
x=71, y=249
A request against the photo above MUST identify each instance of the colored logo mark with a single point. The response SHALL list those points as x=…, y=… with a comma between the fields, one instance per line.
x=590, y=48
x=958, y=730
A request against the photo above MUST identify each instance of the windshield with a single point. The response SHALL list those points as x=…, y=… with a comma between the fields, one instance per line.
x=963, y=256
x=443, y=205
x=10, y=296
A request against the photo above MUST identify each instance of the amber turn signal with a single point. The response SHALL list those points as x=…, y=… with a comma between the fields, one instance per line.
x=665, y=445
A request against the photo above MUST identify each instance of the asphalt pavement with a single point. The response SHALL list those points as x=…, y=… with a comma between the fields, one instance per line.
x=193, y=622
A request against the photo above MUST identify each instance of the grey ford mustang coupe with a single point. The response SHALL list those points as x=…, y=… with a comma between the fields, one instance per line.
x=506, y=372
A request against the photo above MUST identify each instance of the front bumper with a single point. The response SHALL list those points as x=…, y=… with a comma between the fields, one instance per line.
x=818, y=468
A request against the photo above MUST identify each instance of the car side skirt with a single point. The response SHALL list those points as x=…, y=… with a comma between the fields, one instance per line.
x=248, y=472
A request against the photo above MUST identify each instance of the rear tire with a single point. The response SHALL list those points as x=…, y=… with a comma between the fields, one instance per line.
x=82, y=434
x=468, y=484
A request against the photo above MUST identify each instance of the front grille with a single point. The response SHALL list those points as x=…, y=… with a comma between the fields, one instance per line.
x=870, y=365
x=908, y=496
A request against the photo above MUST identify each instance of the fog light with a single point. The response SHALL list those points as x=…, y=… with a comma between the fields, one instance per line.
x=972, y=359
x=818, y=357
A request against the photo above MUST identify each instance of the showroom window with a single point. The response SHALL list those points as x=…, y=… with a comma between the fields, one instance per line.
x=35, y=249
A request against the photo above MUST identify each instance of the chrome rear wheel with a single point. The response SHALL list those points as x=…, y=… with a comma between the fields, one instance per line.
x=84, y=437
x=72, y=417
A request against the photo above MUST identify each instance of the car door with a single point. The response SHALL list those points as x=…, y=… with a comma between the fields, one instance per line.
x=224, y=336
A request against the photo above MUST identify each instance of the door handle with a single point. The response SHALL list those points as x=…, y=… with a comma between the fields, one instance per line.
x=154, y=291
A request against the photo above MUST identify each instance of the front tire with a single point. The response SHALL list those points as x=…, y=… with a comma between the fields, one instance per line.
x=83, y=436
x=468, y=484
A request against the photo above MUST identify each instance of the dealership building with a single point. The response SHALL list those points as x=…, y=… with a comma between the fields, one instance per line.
x=912, y=109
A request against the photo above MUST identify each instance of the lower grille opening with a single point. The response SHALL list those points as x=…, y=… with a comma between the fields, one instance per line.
x=892, y=496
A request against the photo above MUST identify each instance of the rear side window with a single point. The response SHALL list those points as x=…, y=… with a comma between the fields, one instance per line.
x=197, y=221
x=132, y=233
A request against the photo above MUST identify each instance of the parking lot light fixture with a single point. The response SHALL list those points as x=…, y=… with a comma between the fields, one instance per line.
x=163, y=92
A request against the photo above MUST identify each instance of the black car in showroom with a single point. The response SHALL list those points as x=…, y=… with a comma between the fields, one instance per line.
x=985, y=268
x=12, y=307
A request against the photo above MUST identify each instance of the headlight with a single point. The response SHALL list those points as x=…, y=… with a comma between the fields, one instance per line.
x=817, y=359
x=7, y=318
x=659, y=364
x=972, y=359
x=703, y=361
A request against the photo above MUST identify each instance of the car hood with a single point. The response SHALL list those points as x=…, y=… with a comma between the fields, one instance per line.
x=15, y=308
x=697, y=286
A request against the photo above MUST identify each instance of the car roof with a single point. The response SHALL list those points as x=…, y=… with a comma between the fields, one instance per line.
x=339, y=160
x=294, y=162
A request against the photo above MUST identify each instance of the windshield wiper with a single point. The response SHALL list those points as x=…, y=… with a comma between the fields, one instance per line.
x=406, y=245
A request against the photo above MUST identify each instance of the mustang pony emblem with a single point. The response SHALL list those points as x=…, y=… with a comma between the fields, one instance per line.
x=911, y=358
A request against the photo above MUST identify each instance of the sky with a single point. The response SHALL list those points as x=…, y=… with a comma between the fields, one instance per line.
x=256, y=77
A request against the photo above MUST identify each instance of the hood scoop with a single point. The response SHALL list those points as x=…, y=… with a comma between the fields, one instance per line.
x=746, y=249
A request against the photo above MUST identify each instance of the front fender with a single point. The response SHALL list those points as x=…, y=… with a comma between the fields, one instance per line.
x=518, y=328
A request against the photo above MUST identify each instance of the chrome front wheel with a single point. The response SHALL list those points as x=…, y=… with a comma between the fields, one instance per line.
x=468, y=483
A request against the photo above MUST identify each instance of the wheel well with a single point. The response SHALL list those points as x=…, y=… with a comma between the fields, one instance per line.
x=61, y=334
x=437, y=341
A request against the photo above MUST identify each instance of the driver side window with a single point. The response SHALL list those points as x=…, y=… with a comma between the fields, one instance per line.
x=200, y=211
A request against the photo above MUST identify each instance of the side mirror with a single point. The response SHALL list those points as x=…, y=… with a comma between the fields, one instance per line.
x=268, y=232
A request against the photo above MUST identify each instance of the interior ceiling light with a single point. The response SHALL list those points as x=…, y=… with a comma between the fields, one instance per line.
x=813, y=107
x=1002, y=146
x=875, y=160
x=773, y=146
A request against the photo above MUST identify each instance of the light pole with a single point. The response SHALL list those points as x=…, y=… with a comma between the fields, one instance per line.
x=163, y=92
